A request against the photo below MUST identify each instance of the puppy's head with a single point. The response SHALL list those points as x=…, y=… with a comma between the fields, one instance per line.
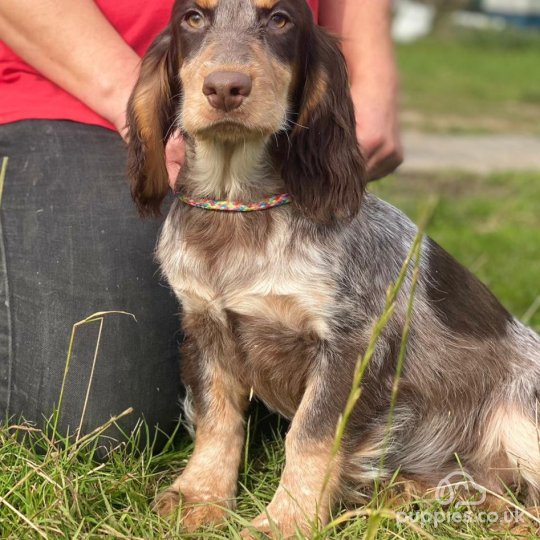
x=233, y=70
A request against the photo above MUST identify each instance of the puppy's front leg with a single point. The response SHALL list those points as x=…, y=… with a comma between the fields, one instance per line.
x=207, y=486
x=310, y=480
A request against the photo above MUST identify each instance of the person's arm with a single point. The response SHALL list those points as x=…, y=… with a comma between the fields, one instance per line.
x=73, y=45
x=364, y=27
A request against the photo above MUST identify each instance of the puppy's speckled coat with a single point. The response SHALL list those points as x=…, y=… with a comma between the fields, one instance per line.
x=283, y=301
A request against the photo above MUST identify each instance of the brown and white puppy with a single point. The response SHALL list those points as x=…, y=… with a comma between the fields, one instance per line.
x=283, y=301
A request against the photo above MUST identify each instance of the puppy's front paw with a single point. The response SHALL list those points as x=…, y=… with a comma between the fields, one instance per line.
x=197, y=515
x=166, y=503
x=195, y=512
x=280, y=527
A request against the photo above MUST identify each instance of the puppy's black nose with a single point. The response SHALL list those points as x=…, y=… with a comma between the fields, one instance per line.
x=226, y=90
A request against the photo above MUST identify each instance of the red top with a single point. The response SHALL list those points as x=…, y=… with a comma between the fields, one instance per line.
x=26, y=94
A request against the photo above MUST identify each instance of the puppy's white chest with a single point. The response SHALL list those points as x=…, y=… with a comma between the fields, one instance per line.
x=271, y=280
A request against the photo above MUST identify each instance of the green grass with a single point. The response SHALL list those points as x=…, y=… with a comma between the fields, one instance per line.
x=58, y=492
x=52, y=488
x=472, y=82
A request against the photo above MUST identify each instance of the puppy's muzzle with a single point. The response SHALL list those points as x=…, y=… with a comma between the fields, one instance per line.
x=226, y=90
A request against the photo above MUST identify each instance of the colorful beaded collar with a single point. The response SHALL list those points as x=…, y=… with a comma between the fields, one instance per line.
x=234, y=206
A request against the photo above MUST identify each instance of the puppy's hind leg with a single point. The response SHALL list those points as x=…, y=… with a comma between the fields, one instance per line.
x=510, y=443
x=511, y=449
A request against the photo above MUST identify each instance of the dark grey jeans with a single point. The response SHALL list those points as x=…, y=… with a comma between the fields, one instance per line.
x=71, y=245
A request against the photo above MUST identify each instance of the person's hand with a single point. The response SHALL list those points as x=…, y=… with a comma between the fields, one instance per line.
x=175, y=151
x=364, y=29
x=377, y=126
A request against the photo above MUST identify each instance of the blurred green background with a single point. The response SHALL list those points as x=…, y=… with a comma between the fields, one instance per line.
x=472, y=81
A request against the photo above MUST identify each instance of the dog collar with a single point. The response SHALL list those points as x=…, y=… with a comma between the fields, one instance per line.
x=235, y=206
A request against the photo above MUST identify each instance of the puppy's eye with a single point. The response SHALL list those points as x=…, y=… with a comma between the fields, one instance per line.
x=195, y=20
x=278, y=21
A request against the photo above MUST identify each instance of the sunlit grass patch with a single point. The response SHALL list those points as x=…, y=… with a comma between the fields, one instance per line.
x=472, y=81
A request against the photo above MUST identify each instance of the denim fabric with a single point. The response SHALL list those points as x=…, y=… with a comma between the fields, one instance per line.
x=71, y=245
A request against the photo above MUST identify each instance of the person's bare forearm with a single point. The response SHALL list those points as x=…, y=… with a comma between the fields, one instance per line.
x=73, y=44
x=364, y=28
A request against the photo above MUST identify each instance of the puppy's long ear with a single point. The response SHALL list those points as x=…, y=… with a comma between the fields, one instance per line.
x=151, y=114
x=324, y=169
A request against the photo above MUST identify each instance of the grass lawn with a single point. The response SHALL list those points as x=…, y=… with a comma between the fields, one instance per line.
x=49, y=491
x=60, y=493
x=463, y=81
